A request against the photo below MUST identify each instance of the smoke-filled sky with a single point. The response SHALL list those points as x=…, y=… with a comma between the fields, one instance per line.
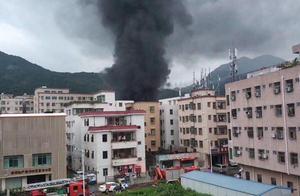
x=69, y=36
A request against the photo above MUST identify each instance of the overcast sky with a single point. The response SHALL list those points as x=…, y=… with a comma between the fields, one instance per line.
x=67, y=35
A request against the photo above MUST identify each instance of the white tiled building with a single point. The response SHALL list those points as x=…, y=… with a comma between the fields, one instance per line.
x=169, y=122
x=104, y=101
x=10, y=104
x=114, y=142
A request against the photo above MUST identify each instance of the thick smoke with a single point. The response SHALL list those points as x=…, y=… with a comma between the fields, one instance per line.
x=140, y=28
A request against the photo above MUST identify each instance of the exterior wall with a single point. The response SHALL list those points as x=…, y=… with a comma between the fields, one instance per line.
x=169, y=132
x=281, y=178
x=200, y=126
x=30, y=134
x=276, y=128
x=112, y=163
x=10, y=104
x=152, y=140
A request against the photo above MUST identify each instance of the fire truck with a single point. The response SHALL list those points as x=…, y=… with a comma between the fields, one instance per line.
x=62, y=187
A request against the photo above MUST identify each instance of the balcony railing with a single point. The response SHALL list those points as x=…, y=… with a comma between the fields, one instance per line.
x=124, y=161
x=124, y=144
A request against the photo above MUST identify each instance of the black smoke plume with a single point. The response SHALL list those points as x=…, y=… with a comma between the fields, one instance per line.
x=140, y=28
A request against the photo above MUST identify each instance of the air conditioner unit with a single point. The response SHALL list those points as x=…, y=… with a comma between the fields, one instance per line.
x=257, y=94
x=238, y=152
x=248, y=95
x=274, y=135
x=276, y=90
x=289, y=89
x=264, y=156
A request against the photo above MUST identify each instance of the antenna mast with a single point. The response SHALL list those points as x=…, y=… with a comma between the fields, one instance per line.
x=232, y=64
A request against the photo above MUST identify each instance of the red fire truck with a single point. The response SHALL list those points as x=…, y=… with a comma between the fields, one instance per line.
x=66, y=187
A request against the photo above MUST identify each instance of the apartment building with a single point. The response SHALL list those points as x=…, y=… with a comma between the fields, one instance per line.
x=203, y=126
x=265, y=126
x=169, y=124
x=152, y=123
x=114, y=143
x=32, y=149
x=53, y=99
x=75, y=125
x=10, y=104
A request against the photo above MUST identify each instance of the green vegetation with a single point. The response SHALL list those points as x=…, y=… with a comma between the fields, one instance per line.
x=162, y=190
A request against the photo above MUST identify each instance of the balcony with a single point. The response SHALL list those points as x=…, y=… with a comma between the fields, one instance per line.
x=123, y=144
x=124, y=161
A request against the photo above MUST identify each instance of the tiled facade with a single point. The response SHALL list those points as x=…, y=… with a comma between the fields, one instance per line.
x=10, y=104
x=203, y=125
x=265, y=126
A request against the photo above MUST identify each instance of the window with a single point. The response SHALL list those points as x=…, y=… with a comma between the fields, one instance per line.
x=104, y=154
x=152, y=121
x=250, y=132
x=258, y=112
x=92, y=138
x=172, y=142
x=281, y=157
x=86, y=122
x=84, y=138
x=105, y=172
x=247, y=175
x=199, y=106
x=273, y=181
x=291, y=109
x=251, y=153
x=292, y=133
x=153, y=143
x=279, y=133
x=294, y=158
x=172, y=132
x=259, y=178
x=13, y=161
x=208, y=104
x=257, y=91
x=277, y=88
x=41, y=159
x=278, y=110
x=104, y=138
x=199, y=118
x=209, y=117
x=234, y=113
x=171, y=111
x=233, y=95
x=260, y=132
x=289, y=86
x=93, y=154
x=290, y=185
x=249, y=112
x=171, y=122
x=200, y=131
x=248, y=93
x=152, y=132
x=152, y=109
x=200, y=144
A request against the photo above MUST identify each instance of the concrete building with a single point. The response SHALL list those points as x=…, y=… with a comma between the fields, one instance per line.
x=178, y=160
x=114, y=143
x=75, y=125
x=169, y=125
x=203, y=126
x=10, y=104
x=53, y=99
x=264, y=138
x=221, y=185
x=152, y=123
x=32, y=149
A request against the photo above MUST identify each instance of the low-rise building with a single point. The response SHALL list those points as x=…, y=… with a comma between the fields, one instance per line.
x=114, y=143
x=264, y=138
x=75, y=125
x=178, y=160
x=203, y=126
x=10, y=104
x=32, y=149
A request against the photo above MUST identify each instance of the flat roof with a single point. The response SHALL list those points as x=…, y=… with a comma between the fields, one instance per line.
x=114, y=113
x=239, y=185
x=31, y=115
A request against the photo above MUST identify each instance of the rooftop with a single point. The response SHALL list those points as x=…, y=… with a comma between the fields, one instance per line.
x=113, y=128
x=31, y=115
x=243, y=186
x=114, y=113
